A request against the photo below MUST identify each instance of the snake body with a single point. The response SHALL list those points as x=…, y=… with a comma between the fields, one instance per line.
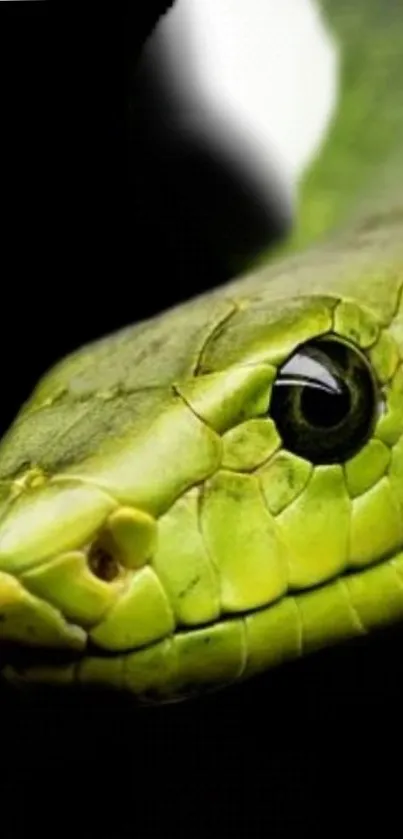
x=206, y=494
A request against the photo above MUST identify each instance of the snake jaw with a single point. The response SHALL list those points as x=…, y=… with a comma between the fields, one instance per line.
x=112, y=598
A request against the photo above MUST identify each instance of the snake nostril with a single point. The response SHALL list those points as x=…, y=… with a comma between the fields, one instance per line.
x=102, y=563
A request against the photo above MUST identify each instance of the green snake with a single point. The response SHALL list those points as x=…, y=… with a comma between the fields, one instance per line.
x=219, y=489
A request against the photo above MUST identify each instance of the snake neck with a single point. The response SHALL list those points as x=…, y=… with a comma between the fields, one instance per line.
x=358, y=172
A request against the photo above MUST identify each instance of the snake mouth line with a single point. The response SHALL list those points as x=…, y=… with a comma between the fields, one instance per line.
x=12, y=655
x=295, y=594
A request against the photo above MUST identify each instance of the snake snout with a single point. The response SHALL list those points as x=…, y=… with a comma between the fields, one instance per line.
x=72, y=562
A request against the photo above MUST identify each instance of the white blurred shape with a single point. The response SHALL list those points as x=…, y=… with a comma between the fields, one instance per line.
x=259, y=75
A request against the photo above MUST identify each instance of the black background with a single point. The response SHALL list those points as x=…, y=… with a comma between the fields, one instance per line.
x=109, y=216
x=312, y=749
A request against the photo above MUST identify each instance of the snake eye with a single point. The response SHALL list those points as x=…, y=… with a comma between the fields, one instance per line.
x=325, y=401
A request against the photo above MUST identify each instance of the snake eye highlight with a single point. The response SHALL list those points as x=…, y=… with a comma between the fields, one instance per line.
x=325, y=401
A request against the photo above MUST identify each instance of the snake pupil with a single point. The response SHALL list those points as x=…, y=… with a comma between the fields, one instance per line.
x=324, y=409
x=325, y=401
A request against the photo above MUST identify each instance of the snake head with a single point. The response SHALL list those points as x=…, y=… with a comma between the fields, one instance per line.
x=205, y=495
